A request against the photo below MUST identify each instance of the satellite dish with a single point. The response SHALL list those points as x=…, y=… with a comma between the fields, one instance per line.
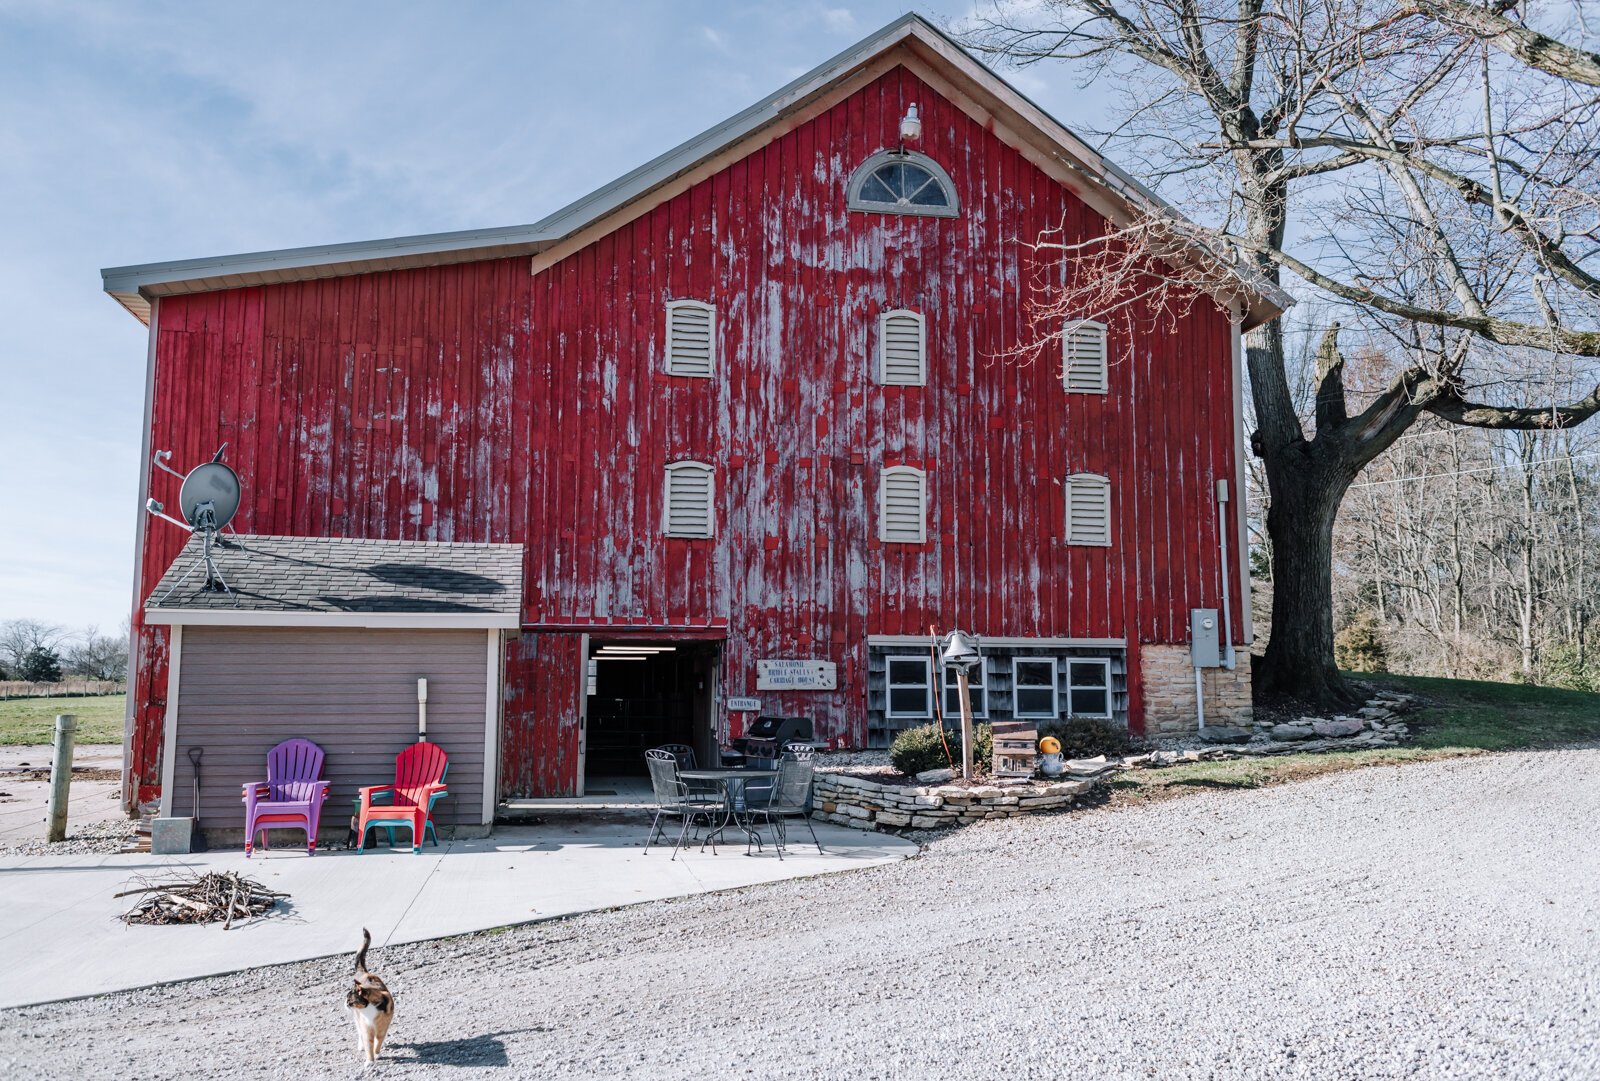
x=209, y=497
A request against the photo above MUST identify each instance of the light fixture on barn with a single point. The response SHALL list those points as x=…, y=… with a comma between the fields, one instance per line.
x=961, y=653
x=208, y=500
x=910, y=127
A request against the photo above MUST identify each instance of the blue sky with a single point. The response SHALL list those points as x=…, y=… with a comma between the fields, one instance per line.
x=134, y=133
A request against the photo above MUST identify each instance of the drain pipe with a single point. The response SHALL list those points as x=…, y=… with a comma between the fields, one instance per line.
x=1228, y=660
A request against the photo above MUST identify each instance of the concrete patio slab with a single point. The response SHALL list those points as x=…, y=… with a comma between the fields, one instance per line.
x=60, y=938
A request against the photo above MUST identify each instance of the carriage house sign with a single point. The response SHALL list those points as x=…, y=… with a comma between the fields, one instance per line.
x=796, y=675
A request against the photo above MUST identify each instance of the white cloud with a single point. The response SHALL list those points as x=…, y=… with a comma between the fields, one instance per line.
x=839, y=20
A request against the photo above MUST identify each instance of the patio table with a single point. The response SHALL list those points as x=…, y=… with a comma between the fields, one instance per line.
x=732, y=782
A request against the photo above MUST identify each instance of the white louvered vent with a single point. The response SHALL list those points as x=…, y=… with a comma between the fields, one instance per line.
x=691, y=491
x=691, y=338
x=902, y=349
x=903, y=506
x=1083, y=362
x=1088, y=500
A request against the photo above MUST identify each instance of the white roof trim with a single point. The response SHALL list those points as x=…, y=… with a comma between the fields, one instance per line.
x=135, y=286
x=242, y=617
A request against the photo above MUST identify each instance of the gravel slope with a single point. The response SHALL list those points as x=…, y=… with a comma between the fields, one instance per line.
x=1427, y=921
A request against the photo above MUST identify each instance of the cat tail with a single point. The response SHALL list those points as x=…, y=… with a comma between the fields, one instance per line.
x=361, y=955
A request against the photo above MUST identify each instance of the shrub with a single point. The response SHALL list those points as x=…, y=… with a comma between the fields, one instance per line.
x=1085, y=737
x=918, y=749
x=40, y=665
x=1559, y=667
x=1359, y=647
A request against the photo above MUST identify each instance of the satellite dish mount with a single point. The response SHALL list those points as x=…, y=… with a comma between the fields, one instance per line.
x=208, y=499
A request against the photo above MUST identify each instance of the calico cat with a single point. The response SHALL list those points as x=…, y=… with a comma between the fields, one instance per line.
x=371, y=1003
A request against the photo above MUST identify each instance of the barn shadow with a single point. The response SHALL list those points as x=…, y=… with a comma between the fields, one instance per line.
x=439, y=578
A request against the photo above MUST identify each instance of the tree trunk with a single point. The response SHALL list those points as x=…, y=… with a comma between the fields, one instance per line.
x=1306, y=490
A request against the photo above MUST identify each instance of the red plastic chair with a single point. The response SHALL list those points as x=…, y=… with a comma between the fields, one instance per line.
x=418, y=778
x=290, y=798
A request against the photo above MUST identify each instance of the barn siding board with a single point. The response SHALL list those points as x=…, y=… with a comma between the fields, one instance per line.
x=544, y=676
x=533, y=408
x=352, y=692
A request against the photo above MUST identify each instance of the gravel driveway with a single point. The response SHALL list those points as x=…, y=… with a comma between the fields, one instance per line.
x=1426, y=921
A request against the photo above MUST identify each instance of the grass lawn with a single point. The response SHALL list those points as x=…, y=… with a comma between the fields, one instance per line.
x=1458, y=717
x=33, y=720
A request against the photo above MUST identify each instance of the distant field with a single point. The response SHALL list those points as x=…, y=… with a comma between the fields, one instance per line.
x=32, y=720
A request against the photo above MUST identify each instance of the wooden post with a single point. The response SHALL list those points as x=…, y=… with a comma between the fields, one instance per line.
x=965, y=692
x=61, y=775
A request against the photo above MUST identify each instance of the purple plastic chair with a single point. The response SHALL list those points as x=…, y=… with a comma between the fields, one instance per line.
x=290, y=798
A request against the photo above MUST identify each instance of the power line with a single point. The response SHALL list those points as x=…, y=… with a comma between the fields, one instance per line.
x=1482, y=469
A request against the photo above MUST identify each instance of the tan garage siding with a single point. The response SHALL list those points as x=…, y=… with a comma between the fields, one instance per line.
x=242, y=690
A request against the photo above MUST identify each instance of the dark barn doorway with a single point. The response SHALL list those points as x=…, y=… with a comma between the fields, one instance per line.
x=644, y=694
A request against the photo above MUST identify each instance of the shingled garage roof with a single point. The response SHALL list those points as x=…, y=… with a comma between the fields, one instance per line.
x=344, y=582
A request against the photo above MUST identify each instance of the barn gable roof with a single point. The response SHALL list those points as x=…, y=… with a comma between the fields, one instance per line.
x=344, y=581
x=909, y=39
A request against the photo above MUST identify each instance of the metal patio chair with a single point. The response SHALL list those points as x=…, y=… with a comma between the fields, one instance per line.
x=791, y=796
x=682, y=752
x=674, y=798
x=684, y=755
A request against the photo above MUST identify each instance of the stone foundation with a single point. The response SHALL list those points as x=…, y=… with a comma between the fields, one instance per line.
x=1167, y=679
x=863, y=804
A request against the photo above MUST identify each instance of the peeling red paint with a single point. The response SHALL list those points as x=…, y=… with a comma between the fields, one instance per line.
x=482, y=402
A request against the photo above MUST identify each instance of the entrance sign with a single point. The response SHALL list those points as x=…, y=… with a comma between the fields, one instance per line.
x=796, y=675
x=744, y=705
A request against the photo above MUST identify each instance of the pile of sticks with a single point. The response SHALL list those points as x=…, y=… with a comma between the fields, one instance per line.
x=211, y=898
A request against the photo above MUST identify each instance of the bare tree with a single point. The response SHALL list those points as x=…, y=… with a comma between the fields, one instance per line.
x=98, y=656
x=1473, y=548
x=19, y=637
x=1434, y=179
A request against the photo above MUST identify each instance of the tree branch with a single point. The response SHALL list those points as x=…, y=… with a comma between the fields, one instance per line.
x=1512, y=217
x=1449, y=406
x=1331, y=410
x=1537, y=50
x=1583, y=343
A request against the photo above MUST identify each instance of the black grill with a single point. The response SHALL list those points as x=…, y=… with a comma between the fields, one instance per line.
x=768, y=736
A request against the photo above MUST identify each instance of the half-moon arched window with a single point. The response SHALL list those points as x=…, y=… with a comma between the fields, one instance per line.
x=902, y=182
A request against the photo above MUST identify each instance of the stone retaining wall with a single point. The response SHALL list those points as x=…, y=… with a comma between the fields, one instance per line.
x=1167, y=679
x=863, y=804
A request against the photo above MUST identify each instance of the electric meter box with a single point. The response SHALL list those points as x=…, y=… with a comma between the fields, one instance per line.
x=1205, y=638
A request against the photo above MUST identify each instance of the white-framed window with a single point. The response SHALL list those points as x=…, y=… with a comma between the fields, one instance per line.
x=902, y=349
x=977, y=690
x=1033, y=688
x=691, y=338
x=1088, y=502
x=690, y=499
x=1083, y=358
x=908, y=680
x=1088, y=687
x=903, y=506
x=902, y=182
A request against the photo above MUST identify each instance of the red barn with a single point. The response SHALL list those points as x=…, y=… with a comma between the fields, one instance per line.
x=748, y=413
